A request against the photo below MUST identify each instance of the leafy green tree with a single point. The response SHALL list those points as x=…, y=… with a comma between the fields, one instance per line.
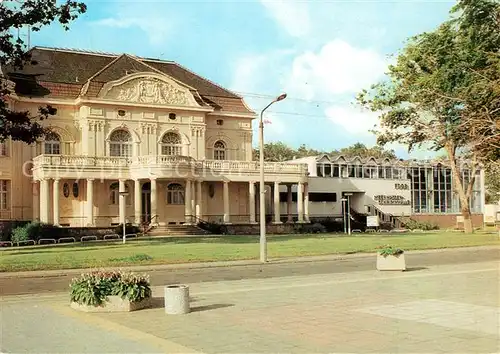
x=23, y=126
x=431, y=95
x=478, y=34
x=281, y=152
x=492, y=182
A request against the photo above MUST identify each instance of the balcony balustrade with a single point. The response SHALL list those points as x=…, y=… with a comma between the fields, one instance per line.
x=45, y=164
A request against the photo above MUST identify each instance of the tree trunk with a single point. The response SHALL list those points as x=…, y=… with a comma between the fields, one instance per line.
x=463, y=194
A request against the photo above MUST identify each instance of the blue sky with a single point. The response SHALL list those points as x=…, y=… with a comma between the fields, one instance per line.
x=320, y=52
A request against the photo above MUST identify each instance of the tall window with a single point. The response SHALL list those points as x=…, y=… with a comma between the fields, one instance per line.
x=442, y=190
x=219, y=150
x=4, y=195
x=114, y=194
x=120, y=143
x=175, y=194
x=171, y=144
x=52, y=144
x=418, y=178
x=3, y=149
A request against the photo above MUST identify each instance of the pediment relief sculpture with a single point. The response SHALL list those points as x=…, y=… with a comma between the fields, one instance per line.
x=150, y=90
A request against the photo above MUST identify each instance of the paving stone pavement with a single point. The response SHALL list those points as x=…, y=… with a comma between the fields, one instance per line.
x=440, y=309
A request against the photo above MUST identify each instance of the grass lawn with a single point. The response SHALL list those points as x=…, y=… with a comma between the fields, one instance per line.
x=204, y=249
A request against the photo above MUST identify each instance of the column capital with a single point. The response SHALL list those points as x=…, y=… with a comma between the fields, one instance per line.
x=90, y=179
x=57, y=179
x=123, y=180
x=150, y=178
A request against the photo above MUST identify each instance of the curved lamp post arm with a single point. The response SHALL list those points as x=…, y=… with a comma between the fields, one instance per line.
x=262, y=201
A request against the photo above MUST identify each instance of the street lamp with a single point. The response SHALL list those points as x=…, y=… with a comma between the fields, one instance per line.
x=123, y=194
x=262, y=201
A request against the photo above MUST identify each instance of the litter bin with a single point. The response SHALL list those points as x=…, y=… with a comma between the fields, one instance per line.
x=176, y=299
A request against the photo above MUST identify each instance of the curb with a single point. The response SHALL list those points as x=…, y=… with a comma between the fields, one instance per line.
x=238, y=263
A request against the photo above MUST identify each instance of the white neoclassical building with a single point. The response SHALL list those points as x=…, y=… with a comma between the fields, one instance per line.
x=178, y=144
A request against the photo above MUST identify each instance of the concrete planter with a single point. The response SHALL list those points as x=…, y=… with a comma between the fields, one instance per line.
x=114, y=304
x=391, y=262
x=176, y=299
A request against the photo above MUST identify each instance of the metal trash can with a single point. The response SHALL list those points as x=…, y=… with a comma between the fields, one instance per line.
x=176, y=299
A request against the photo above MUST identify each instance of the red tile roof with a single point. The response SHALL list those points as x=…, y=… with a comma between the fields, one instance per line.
x=63, y=73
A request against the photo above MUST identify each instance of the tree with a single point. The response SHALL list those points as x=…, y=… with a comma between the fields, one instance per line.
x=478, y=32
x=359, y=149
x=427, y=97
x=281, y=152
x=492, y=182
x=22, y=126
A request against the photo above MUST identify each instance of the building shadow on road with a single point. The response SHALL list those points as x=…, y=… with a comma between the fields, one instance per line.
x=159, y=302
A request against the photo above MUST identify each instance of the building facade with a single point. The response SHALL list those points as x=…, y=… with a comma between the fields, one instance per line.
x=423, y=190
x=134, y=140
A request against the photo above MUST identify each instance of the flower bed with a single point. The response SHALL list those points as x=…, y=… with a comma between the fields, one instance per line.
x=101, y=291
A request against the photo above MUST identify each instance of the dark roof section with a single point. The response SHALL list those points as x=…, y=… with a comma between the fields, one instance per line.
x=120, y=67
x=63, y=73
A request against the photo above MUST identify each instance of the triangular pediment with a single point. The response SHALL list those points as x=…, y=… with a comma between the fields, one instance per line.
x=148, y=88
x=323, y=159
x=121, y=66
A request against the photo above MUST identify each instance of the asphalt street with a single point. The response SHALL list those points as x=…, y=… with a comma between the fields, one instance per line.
x=37, y=284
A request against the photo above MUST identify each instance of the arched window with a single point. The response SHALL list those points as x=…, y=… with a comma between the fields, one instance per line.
x=120, y=143
x=114, y=195
x=52, y=144
x=219, y=150
x=171, y=144
x=175, y=194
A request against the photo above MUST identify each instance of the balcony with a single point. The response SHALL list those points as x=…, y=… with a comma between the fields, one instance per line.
x=108, y=167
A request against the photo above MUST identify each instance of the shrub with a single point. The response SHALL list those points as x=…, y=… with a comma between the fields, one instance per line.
x=388, y=250
x=412, y=224
x=315, y=228
x=35, y=230
x=129, y=229
x=93, y=288
x=7, y=227
x=213, y=227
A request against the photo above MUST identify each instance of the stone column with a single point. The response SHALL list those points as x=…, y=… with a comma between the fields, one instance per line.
x=121, y=201
x=227, y=218
x=251, y=198
x=154, y=201
x=90, y=202
x=137, y=201
x=187, y=202
x=199, y=201
x=55, y=201
x=289, y=203
x=44, y=200
x=306, y=202
x=300, y=201
x=277, y=213
x=36, y=201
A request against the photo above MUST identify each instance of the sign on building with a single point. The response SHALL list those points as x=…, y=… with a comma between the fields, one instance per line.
x=372, y=221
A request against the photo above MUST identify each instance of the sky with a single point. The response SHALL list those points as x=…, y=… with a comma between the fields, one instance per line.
x=320, y=52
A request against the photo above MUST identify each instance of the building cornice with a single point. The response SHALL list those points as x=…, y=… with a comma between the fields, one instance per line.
x=234, y=114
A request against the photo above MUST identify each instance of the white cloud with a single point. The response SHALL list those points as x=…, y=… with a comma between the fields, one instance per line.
x=149, y=20
x=337, y=68
x=292, y=15
x=353, y=119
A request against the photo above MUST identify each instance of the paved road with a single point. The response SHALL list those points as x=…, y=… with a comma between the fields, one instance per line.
x=60, y=282
x=450, y=308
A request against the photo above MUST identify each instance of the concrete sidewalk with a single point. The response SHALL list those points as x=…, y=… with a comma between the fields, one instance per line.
x=439, y=309
x=198, y=265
